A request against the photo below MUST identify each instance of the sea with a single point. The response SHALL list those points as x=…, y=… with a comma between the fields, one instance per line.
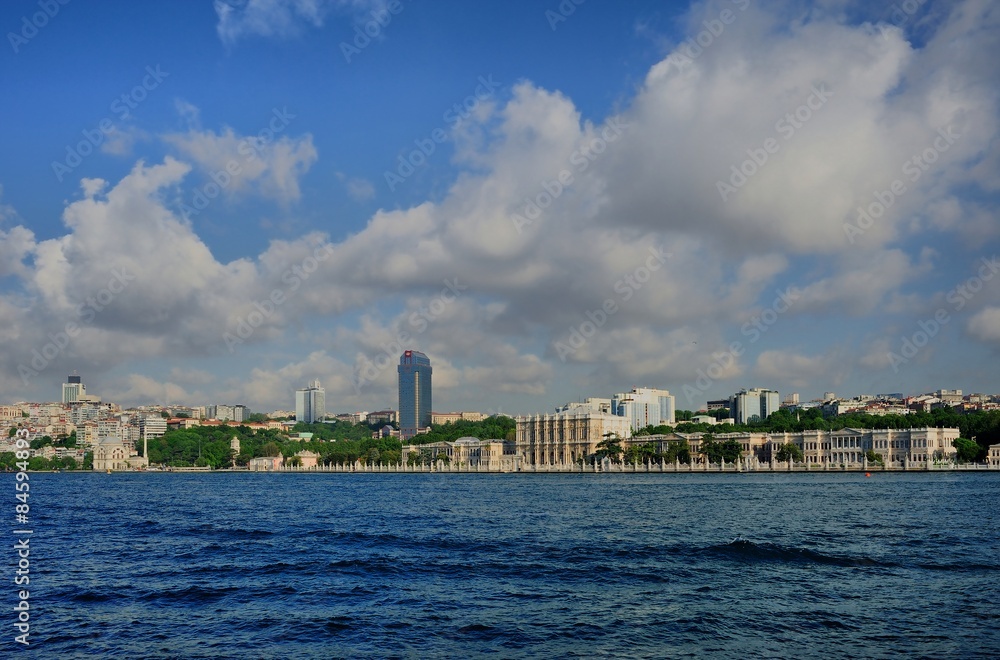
x=438, y=565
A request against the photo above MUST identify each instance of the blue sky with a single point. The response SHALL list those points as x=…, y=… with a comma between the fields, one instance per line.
x=651, y=112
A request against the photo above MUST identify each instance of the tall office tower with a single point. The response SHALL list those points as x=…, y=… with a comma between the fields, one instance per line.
x=753, y=405
x=73, y=389
x=310, y=403
x=414, y=393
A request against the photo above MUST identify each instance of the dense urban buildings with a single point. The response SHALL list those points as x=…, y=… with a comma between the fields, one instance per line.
x=415, y=402
x=310, y=403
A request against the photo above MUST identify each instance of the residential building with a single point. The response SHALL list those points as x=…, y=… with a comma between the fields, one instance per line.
x=381, y=417
x=565, y=437
x=644, y=406
x=445, y=418
x=753, y=405
x=152, y=426
x=310, y=403
x=415, y=393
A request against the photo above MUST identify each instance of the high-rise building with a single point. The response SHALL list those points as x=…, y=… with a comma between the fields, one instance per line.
x=73, y=389
x=753, y=405
x=645, y=406
x=310, y=403
x=414, y=393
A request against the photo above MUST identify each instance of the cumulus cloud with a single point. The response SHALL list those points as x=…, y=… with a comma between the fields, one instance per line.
x=553, y=217
x=268, y=163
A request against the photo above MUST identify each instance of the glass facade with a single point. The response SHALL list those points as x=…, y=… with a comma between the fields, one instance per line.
x=414, y=393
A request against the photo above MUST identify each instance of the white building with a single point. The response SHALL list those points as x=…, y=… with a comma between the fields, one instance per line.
x=310, y=403
x=644, y=406
x=565, y=437
x=753, y=405
x=152, y=426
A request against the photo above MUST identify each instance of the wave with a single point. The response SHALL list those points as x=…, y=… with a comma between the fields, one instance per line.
x=745, y=550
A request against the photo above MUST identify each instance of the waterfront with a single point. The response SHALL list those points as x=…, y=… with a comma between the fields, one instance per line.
x=432, y=565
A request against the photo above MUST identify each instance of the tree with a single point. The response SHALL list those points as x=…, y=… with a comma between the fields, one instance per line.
x=271, y=449
x=609, y=447
x=716, y=452
x=873, y=456
x=790, y=451
x=968, y=450
x=677, y=451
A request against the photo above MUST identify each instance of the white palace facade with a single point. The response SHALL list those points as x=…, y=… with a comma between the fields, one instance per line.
x=562, y=438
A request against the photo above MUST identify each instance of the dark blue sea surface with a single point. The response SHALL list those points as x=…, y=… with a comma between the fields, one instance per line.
x=237, y=565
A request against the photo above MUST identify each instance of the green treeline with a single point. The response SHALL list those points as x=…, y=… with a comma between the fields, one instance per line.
x=209, y=446
x=497, y=427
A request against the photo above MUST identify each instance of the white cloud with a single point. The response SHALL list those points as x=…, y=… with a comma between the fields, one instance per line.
x=239, y=19
x=985, y=325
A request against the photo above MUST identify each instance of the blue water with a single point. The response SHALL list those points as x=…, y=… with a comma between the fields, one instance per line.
x=439, y=565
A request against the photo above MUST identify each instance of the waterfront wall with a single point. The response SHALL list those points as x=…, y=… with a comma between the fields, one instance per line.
x=620, y=468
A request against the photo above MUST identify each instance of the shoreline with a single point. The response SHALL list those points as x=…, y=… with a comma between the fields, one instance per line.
x=615, y=469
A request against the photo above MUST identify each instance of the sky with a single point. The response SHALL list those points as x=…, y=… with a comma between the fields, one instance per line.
x=218, y=202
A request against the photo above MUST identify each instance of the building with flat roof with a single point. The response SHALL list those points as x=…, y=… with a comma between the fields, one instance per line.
x=415, y=393
x=645, y=406
x=753, y=405
x=310, y=403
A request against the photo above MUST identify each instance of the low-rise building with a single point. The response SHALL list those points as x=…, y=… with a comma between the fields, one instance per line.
x=266, y=463
x=993, y=456
x=493, y=455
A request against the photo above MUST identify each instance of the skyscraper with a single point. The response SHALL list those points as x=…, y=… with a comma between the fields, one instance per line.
x=310, y=403
x=414, y=393
x=72, y=389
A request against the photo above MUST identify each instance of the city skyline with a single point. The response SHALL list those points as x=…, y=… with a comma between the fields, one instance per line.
x=700, y=197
